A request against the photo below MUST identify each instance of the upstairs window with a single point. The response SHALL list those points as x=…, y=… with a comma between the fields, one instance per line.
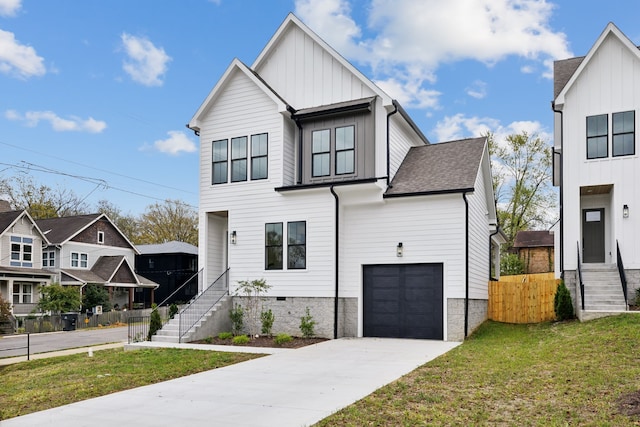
x=21, y=251
x=79, y=260
x=219, y=162
x=345, y=150
x=624, y=134
x=297, y=245
x=273, y=246
x=239, y=159
x=48, y=259
x=259, y=152
x=321, y=153
x=597, y=136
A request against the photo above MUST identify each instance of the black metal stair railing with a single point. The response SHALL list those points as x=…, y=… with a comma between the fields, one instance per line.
x=580, y=277
x=623, y=277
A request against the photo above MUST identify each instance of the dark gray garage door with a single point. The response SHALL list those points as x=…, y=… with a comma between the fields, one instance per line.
x=403, y=301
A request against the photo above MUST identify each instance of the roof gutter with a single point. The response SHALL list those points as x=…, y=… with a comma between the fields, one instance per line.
x=553, y=107
x=389, y=114
x=337, y=261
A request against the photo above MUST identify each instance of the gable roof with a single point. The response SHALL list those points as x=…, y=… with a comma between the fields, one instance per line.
x=172, y=247
x=533, y=238
x=108, y=271
x=580, y=63
x=447, y=167
x=292, y=20
x=9, y=218
x=236, y=65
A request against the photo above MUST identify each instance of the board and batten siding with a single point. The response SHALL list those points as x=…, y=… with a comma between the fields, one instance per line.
x=478, y=239
x=306, y=75
x=595, y=92
x=401, y=139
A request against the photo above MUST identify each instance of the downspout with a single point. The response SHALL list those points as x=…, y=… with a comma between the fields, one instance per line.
x=553, y=107
x=391, y=113
x=466, y=269
x=335, y=302
x=300, y=158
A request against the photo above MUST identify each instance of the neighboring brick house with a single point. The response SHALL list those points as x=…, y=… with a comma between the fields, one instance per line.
x=535, y=249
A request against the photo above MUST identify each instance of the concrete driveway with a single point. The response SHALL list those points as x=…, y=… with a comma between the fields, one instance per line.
x=290, y=388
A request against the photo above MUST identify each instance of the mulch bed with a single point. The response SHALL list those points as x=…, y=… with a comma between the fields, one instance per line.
x=264, y=341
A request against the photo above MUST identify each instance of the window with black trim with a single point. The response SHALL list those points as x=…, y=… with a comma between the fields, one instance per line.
x=239, y=159
x=259, y=153
x=321, y=153
x=597, y=136
x=297, y=245
x=624, y=133
x=219, y=162
x=273, y=246
x=345, y=150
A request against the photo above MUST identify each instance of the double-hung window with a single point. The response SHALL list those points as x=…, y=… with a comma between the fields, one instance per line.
x=597, y=136
x=22, y=293
x=79, y=260
x=624, y=133
x=273, y=246
x=239, y=159
x=259, y=153
x=21, y=251
x=321, y=153
x=48, y=259
x=219, y=162
x=345, y=150
x=297, y=245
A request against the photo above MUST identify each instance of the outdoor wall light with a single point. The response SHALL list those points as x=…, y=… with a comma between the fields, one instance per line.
x=233, y=237
x=625, y=211
x=399, y=249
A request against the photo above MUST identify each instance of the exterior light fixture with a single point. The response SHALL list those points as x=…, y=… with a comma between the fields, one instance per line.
x=625, y=211
x=233, y=237
x=399, y=249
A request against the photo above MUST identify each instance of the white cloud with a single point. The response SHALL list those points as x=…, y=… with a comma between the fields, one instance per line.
x=17, y=59
x=10, y=7
x=58, y=124
x=176, y=143
x=478, y=89
x=145, y=63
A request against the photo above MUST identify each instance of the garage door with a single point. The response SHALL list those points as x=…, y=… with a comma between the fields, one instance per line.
x=403, y=301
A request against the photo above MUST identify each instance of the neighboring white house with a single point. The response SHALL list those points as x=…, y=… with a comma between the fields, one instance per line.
x=596, y=166
x=90, y=249
x=314, y=179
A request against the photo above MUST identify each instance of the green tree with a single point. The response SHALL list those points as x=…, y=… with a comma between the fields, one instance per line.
x=562, y=303
x=172, y=220
x=521, y=169
x=5, y=309
x=126, y=223
x=59, y=299
x=95, y=294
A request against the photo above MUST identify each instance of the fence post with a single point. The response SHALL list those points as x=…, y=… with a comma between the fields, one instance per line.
x=28, y=346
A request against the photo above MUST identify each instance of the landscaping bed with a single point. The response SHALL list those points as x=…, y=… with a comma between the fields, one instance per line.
x=264, y=341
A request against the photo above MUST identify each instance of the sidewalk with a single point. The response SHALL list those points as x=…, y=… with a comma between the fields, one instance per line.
x=18, y=359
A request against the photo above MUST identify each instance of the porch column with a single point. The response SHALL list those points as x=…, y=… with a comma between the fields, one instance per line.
x=130, y=298
x=152, y=295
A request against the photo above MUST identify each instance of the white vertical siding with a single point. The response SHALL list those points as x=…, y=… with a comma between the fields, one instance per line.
x=609, y=83
x=401, y=138
x=478, y=239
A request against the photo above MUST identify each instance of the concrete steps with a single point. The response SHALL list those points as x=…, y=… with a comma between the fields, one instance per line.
x=602, y=288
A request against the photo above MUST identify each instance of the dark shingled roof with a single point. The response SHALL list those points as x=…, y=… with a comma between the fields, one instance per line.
x=447, y=167
x=533, y=239
x=562, y=72
x=59, y=230
x=7, y=218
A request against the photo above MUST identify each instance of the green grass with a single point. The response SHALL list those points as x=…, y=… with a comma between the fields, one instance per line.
x=47, y=383
x=551, y=374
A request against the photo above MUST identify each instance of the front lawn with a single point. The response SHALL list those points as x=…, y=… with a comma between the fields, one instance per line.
x=551, y=374
x=47, y=383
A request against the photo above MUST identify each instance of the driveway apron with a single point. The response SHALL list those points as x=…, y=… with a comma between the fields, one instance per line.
x=292, y=388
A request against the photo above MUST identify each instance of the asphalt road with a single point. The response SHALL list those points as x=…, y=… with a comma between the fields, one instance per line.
x=15, y=345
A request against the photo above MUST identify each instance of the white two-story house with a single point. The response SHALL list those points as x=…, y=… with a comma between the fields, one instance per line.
x=316, y=180
x=596, y=166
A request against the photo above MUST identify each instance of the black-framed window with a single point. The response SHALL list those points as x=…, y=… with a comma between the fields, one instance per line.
x=239, y=159
x=297, y=245
x=345, y=150
x=273, y=246
x=597, y=136
x=321, y=153
x=219, y=162
x=259, y=156
x=624, y=133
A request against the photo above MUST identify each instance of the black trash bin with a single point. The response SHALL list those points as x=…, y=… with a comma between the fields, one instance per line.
x=69, y=321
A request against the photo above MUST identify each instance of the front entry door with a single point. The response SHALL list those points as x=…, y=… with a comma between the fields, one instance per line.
x=593, y=235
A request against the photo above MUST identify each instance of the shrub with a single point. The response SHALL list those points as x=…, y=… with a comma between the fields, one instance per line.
x=267, y=318
x=638, y=297
x=96, y=295
x=511, y=264
x=173, y=310
x=225, y=335
x=5, y=310
x=237, y=319
x=240, y=340
x=307, y=324
x=252, y=292
x=47, y=326
x=282, y=339
x=562, y=303
x=155, y=324
x=208, y=340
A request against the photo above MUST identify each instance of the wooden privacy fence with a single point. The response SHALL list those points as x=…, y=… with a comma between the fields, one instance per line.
x=526, y=298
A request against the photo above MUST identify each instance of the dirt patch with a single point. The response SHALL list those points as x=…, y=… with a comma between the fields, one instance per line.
x=264, y=341
x=629, y=404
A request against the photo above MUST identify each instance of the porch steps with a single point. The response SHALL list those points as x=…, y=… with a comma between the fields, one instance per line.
x=170, y=331
x=602, y=288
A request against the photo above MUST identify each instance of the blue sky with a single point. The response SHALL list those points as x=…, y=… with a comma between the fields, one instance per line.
x=95, y=95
